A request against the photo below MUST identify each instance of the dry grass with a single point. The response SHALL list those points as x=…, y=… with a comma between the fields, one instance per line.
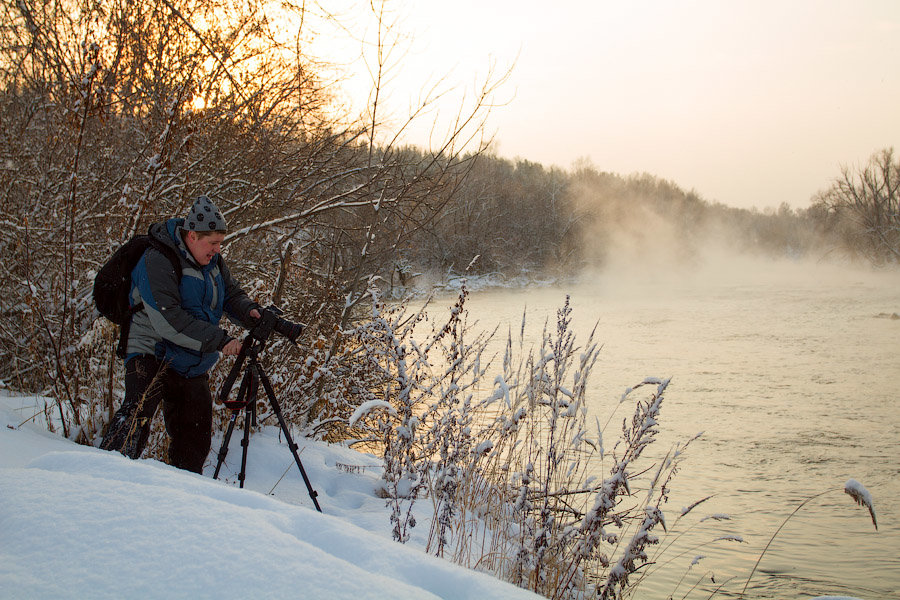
x=510, y=461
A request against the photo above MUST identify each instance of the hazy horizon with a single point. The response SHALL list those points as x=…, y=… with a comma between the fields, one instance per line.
x=747, y=104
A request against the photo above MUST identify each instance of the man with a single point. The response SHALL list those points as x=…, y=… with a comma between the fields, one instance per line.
x=174, y=339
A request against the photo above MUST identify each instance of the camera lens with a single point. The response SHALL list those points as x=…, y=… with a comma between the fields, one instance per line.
x=289, y=330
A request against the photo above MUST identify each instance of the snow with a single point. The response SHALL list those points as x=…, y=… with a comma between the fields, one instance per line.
x=365, y=408
x=78, y=522
x=858, y=492
x=483, y=447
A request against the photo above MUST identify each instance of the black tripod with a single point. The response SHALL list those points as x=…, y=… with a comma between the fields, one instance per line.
x=246, y=401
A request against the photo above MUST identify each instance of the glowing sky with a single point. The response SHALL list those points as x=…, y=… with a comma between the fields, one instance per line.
x=747, y=103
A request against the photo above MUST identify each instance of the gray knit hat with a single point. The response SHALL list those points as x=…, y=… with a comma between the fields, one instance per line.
x=204, y=216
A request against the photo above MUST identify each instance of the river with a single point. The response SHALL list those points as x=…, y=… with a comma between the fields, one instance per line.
x=791, y=372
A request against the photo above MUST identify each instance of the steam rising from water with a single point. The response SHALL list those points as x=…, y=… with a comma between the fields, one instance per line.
x=631, y=246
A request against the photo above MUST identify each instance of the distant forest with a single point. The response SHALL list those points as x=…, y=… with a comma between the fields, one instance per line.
x=517, y=215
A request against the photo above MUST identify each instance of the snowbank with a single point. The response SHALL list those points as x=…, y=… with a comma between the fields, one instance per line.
x=78, y=522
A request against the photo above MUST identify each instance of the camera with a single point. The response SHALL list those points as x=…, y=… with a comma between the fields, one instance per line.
x=270, y=321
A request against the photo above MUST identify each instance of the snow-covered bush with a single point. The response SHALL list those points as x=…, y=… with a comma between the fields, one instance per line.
x=425, y=435
x=109, y=127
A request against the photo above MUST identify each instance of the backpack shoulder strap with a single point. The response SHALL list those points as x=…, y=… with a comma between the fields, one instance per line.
x=169, y=253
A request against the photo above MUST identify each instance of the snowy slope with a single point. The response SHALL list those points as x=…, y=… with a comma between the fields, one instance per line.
x=77, y=522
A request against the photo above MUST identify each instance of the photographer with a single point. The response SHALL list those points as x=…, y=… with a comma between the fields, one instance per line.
x=174, y=338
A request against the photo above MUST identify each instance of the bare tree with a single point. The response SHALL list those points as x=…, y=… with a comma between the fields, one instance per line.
x=359, y=224
x=864, y=203
x=116, y=114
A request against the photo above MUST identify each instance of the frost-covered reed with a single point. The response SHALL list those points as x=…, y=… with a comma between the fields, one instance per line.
x=852, y=488
x=510, y=461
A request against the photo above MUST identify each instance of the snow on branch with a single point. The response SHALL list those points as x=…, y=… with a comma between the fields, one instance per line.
x=858, y=492
x=365, y=408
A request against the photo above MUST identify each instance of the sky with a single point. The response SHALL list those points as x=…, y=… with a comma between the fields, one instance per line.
x=78, y=522
x=750, y=104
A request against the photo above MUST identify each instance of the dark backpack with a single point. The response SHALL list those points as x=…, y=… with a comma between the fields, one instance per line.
x=112, y=285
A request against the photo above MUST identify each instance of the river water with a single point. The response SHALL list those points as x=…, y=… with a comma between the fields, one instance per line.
x=791, y=372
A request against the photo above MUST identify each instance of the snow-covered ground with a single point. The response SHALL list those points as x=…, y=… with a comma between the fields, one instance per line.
x=78, y=522
x=449, y=284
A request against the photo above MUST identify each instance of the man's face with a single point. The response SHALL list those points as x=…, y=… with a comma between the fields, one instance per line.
x=204, y=247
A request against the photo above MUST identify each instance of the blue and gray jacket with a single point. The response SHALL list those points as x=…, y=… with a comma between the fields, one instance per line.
x=180, y=319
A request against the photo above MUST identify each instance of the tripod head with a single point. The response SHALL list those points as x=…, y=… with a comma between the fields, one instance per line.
x=269, y=321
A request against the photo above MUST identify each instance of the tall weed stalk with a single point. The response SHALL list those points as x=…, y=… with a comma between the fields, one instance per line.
x=511, y=462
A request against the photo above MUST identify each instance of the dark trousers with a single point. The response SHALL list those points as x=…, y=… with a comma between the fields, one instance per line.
x=187, y=410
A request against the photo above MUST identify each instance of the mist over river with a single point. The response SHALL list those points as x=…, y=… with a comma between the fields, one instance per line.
x=791, y=372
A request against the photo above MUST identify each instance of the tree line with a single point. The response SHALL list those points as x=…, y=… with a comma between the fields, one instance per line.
x=517, y=214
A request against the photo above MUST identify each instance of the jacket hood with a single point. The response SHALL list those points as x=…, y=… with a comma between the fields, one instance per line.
x=169, y=233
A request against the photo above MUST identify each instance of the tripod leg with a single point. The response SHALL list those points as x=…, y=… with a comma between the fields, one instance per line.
x=252, y=385
x=245, y=445
x=232, y=376
x=287, y=435
x=223, y=449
